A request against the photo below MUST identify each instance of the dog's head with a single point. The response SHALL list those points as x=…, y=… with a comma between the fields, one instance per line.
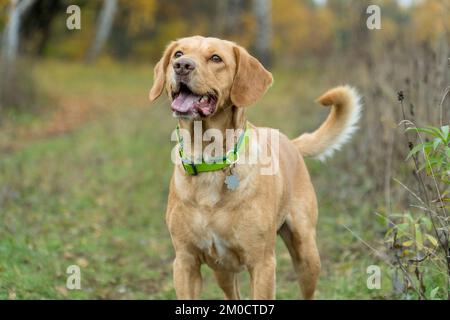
x=204, y=75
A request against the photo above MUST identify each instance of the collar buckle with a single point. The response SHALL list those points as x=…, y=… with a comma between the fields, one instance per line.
x=231, y=160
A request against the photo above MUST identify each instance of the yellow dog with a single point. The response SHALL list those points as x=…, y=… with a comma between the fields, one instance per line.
x=231, y=229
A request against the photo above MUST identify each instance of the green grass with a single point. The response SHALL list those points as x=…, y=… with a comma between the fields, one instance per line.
x=96, y=196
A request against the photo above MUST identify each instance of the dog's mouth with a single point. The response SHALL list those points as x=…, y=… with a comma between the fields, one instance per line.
x=187, y=103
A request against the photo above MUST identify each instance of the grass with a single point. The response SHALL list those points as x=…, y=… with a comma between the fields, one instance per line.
x=85, y=182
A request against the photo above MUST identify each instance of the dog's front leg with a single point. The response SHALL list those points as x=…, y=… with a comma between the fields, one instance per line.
x=262, y=275
x=187, y=276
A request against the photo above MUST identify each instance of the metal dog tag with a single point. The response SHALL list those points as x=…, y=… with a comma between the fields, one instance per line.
x=232, y=181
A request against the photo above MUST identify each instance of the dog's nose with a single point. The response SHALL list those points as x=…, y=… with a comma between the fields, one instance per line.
x=183, y=66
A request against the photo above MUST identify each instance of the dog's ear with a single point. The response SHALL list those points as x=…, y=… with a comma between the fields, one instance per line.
x=251, y=80
x=159, y=78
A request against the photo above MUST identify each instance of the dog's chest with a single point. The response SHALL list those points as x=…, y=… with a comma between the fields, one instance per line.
x=217, y=244
x=212, y=214
x=213, y=245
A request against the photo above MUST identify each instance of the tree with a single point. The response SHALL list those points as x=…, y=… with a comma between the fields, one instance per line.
x=262, y=12
x=104, y=25
x=10, y=50
x=12, y=29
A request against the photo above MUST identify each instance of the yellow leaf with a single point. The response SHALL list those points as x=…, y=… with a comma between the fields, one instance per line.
x=432, y=239
x=408, y=243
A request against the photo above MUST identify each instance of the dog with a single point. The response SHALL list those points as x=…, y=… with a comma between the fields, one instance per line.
x=212, y=81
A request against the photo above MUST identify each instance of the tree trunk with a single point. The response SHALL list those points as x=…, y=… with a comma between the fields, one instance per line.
x=10, y=48
x=104, y=26
x=262, y=12
x=12, y=29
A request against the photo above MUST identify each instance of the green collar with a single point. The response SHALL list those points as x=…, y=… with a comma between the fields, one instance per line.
x=214, y=164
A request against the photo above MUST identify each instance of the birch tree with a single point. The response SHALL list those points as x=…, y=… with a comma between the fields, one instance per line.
x=104, y=26
x=11, y=39
x=11, y=34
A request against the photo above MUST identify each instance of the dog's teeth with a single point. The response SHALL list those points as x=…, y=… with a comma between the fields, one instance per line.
x=204, y=98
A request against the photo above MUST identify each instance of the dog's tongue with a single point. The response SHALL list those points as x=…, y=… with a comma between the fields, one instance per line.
x=185, y=102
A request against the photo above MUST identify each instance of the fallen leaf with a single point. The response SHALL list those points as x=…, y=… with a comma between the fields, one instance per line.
x=82, y=262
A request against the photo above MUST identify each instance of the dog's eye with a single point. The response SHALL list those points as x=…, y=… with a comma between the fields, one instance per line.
x=215, y=58
x=178, y=54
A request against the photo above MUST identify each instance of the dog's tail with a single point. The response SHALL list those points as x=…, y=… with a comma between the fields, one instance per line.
x=338, y=127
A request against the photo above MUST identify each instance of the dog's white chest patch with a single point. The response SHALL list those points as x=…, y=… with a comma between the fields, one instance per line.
x=219, y=255
x=213, y=245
